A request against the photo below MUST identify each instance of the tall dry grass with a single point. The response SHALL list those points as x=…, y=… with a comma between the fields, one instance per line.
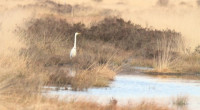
x=173, y=57
x=169, y=51
x=164, y=58
x=17, y=78
x=99, y=76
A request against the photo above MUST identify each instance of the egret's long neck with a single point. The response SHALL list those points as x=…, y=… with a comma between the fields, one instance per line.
x=75, y=41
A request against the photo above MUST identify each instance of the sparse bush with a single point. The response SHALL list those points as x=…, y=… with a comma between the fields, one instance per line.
x=52, y=6
x=97, y=0
x=197, y=49
x=190, y=64
x=198, y=2
x=162, y=2
x=183, y=3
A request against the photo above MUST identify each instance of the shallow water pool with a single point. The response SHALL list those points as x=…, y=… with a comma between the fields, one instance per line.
x=135, y=87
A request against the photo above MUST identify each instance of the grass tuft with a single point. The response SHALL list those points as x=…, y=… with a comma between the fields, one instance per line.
x=99, y=77
x=181, y=101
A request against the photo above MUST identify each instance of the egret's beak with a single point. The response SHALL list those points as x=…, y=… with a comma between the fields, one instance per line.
x=79, y=33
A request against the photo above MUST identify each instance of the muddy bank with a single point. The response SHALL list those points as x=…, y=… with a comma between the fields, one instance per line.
x=147, y=71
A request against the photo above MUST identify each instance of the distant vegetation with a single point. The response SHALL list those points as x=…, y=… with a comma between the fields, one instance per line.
x=198, y=2
x=163, y=2
x=183, y=3
x=97, y=0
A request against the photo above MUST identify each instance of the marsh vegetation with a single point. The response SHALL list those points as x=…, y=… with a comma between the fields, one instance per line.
x=35, y=52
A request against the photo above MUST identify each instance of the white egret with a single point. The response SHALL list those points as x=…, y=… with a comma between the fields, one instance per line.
x=73, y=51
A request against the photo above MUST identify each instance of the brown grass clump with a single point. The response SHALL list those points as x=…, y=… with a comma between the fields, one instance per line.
x=190, y=64
x=99, y=76
x=145, y=105
x=143, y=62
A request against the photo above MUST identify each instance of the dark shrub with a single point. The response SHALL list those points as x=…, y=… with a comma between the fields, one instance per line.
x=129, y=36
x=116, y=31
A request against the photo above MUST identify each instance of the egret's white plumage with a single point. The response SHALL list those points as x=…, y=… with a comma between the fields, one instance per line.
x=73, y=51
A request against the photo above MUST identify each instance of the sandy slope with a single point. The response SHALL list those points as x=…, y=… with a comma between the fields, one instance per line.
x=11, y=16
